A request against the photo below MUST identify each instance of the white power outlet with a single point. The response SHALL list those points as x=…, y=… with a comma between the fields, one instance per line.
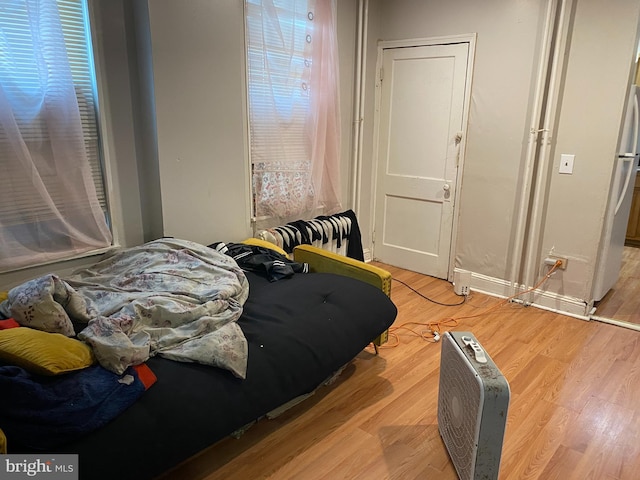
x=461, y=282
x=551, y=260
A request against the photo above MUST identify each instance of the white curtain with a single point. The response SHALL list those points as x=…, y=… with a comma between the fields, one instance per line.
x=294, y=109
x=48, y=204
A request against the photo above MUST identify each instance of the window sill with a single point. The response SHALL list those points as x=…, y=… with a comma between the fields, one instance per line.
x=62, y=267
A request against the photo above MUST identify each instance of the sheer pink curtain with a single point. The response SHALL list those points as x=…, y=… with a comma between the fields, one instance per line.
x=325, y=108
x=48, y=204
x=294, y=109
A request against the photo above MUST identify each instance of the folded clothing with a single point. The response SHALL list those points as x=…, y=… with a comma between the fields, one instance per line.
x=261, y=260
x=41, y=412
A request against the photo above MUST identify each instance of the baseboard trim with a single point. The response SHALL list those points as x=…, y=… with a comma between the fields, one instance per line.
x=550, y=301
x=619, y=323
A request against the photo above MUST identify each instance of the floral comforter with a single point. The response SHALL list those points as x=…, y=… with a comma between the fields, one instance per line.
x=169, y=297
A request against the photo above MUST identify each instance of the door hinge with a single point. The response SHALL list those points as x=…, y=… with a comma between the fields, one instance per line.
x=381, y=74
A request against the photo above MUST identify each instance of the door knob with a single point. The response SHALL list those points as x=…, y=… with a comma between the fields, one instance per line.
x=446, y=187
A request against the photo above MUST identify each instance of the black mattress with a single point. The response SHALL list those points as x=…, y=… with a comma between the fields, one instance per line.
x=300, y=330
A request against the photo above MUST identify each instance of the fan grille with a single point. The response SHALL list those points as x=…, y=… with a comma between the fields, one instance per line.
x=459, y=405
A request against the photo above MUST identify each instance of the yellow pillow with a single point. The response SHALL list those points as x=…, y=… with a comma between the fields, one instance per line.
x=263, y=243
x=3, y=296
x=42, y=352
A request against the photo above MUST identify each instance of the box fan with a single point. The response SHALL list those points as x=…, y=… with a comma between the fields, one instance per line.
x=473, y=399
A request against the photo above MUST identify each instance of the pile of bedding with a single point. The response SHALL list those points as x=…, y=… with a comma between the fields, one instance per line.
x=73, y=350
x=168, y=297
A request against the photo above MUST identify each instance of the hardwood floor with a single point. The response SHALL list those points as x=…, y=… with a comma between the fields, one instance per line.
x=622, y=302
x=574, y=411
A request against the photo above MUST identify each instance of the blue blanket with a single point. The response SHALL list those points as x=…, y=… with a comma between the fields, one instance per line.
x=41, y=412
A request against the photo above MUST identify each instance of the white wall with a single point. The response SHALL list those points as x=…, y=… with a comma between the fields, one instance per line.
x=347, y=38
x=599, y=68
x=145, y=133
x=114, y=57
x=600, y=52
x=199, y=78
x=505, y=61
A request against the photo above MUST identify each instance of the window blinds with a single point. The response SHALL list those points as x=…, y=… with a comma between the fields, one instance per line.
x=20, y=76
x=77, y=38
x=52, y=198
x=279, y=61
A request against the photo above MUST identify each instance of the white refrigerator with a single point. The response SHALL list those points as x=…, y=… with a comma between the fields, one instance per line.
x=615, y=227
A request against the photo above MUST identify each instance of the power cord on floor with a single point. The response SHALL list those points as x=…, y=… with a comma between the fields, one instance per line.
x=432, y=331
x=430, y=299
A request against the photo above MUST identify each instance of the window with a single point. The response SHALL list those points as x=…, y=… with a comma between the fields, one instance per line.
x=294, y=124
x=52, y=197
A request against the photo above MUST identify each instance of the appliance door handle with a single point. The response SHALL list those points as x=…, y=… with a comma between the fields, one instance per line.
x=630, y=156
x=625, y=158
x=636, y=122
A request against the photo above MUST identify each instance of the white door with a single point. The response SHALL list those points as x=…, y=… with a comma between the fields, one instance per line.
x=420, y=125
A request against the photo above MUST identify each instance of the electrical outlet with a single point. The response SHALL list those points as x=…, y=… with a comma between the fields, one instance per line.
x=551, y=260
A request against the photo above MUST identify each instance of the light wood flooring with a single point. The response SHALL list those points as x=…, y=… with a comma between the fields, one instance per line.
x=574, y=412
x=622, y=302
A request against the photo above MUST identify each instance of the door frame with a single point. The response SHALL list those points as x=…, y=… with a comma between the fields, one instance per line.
x=469, y=38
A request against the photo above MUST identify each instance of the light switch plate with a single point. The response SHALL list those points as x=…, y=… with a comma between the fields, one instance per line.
x=566, y=163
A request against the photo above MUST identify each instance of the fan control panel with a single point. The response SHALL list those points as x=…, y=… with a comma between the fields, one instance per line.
x=477, y=349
